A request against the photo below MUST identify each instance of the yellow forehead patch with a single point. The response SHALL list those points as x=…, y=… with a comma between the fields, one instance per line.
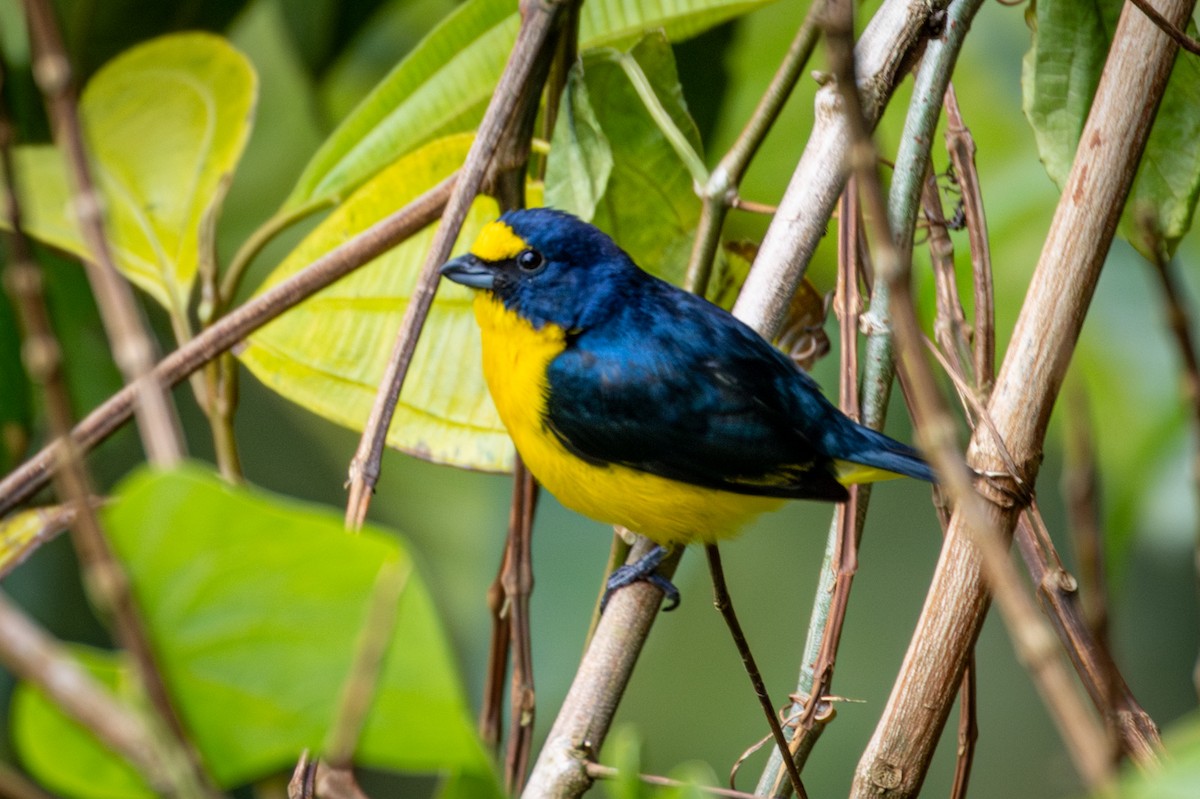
x=497, y=242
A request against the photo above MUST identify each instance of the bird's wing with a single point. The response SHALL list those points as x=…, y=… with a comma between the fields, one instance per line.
x=691, y=398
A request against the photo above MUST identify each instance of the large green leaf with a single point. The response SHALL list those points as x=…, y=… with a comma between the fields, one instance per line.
x=1061, y=71
x=445, y=83
x=254, y=605
x=329, y=353
x=166, y=123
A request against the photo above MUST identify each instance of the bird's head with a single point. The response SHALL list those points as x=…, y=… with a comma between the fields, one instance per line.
x=547, y=266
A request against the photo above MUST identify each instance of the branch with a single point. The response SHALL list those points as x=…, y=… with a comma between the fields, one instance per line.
x=801, y=218
x=1061, y=289
x=33, y=655
x=229, y=330
x=131, y=345
x=103, y=577
x=517, y=93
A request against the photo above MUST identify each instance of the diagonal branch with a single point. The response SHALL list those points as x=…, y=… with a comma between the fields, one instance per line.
x=20, y=484
x=517, y=93
x=132, y=346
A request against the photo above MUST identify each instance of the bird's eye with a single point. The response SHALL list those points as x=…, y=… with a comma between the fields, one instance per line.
x=529, y=260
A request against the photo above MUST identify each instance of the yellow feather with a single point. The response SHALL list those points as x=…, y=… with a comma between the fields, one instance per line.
x=515, y=357
x=850, y=473
x=497, y=242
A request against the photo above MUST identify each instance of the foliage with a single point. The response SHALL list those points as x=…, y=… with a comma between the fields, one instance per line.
x=255, y=605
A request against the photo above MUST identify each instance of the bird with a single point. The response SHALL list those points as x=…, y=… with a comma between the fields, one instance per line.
x=639, y=404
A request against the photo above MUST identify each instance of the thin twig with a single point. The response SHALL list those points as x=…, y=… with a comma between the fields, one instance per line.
x=530, y=59
x=808, y=705
x=132, y=346
x=1175, y=32
x=491, y=712
x=103, y=576
x=724, y=604
x=232, y=328
x=953, y=336
x=720, y=191
x=800, y=221
x=31, y=654
x=961, y=147
x=517, y=581
x=1080, y=489
x=25, y=532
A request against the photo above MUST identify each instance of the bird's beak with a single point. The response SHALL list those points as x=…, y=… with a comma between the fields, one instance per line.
x=469, y=271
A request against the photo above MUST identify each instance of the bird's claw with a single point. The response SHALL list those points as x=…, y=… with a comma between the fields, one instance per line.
x=645, y=570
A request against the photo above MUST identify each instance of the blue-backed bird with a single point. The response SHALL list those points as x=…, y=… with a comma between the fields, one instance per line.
x=637, y=403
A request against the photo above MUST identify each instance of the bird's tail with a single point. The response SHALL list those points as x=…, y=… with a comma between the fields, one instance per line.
x=878, y=457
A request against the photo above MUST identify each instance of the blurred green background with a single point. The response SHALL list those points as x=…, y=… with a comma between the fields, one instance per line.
x=689, y=699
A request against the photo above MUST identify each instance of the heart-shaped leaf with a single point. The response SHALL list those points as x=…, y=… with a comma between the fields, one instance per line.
x=166, y=123
x=255, y=606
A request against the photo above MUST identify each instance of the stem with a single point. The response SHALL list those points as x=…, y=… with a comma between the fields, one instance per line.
x=724, y=604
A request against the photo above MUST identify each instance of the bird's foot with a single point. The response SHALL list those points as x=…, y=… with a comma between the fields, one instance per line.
x=645, y=569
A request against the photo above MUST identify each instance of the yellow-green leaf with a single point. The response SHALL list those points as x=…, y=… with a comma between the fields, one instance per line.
x=328, y=354
x=445, y=83
x=23, y=532
x=166, y=123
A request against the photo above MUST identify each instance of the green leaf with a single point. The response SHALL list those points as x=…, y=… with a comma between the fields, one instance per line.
x=1061, y=71
x=649, y=206
x=624, y=751
x=581, y=158
x=1059, y=77
x=166, y=123
x=443, y=86
x=329, y=353
x=63, y=755
x=1168, y=179
x=254, y=605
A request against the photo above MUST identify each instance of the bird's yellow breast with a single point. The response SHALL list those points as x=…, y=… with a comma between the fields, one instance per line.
x=515, y=358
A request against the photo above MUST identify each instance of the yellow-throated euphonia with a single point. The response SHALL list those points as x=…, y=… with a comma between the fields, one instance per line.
x=640, y=404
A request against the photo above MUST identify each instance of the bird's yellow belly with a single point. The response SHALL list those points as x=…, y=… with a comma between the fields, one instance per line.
x=515, y=357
